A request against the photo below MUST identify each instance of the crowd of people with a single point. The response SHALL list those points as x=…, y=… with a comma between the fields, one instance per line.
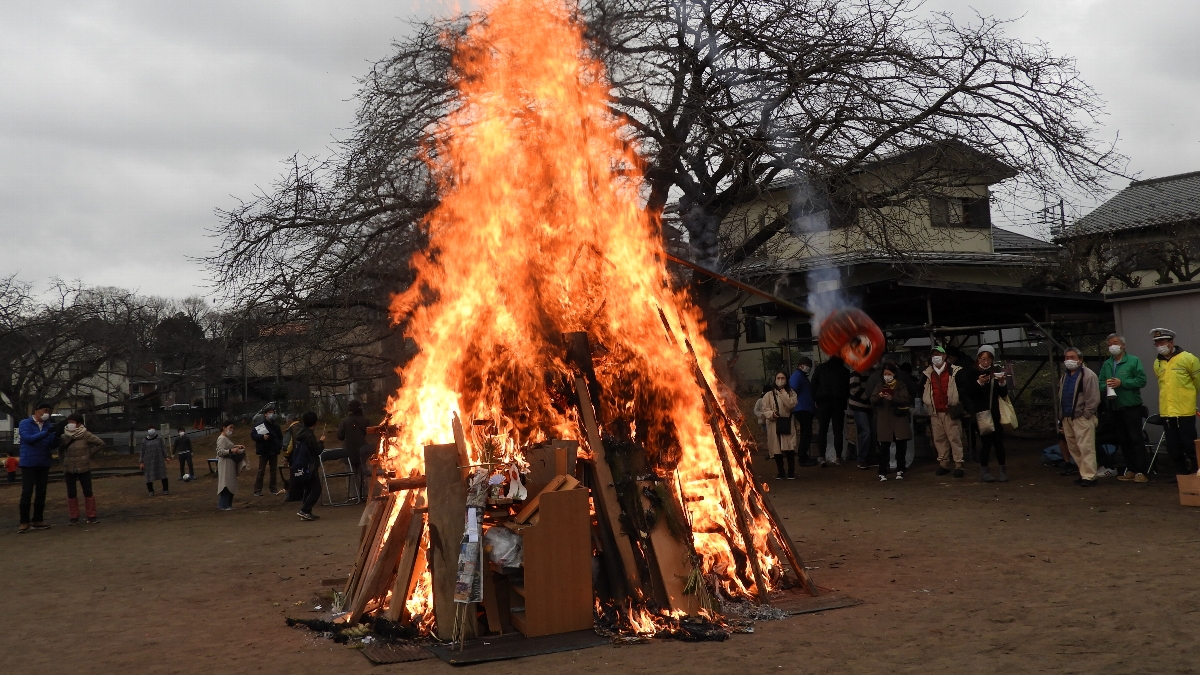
x=295, y=442
x=955, y=398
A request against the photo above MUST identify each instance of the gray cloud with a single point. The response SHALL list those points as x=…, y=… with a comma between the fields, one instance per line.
x=125, y=124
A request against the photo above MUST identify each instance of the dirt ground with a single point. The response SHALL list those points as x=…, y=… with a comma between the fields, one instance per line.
x=1035, y=575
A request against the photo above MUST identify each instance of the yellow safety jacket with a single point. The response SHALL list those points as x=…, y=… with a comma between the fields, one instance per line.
x=1178, y=377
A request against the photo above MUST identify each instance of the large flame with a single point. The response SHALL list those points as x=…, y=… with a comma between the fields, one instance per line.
x=539, y=232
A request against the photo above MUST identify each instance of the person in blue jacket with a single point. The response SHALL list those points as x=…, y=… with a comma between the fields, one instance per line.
x=37, y=441
x=805, y=409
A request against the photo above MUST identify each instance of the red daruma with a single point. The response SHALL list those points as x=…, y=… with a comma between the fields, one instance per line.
x=852, y=335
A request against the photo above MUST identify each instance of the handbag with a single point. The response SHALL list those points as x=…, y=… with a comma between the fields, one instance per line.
x=783, y=425
x=1008, y=416
x=983, y=418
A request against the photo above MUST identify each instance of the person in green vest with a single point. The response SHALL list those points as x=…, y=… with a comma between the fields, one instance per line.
x=1178, y=373
x=1121, y=380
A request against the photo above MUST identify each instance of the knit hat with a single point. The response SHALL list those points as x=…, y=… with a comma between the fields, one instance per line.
x=986, y=348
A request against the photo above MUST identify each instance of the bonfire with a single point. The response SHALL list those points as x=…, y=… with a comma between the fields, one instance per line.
x=543, y=313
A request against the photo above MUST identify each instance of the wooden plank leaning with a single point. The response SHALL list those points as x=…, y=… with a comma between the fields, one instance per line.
x=606, y=491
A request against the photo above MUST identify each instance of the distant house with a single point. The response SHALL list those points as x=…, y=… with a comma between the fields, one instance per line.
x=928, y=257
x=1147, y=234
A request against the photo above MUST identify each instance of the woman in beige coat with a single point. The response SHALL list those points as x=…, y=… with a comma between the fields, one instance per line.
x=775, y=410
x=230, y=460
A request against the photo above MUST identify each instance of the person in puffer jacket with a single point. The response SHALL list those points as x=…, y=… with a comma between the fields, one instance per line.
x=38, y=440
x=79, y=446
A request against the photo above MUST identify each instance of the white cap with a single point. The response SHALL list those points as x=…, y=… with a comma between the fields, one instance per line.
x=986, y=348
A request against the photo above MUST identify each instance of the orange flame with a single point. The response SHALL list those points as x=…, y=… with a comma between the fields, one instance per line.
x=540, y=231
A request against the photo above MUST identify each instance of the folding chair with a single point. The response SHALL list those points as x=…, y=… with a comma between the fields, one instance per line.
x=345, y=470
x=1155, y=447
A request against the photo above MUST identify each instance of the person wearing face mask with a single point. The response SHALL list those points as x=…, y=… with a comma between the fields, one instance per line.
x=1178, y=374
x=781, y=435
x=78, y=447
x=183, y=450
x=1077, y=401
x=802, y=415
x=231, y=459
x=153, y=454
x=891, y=400
x=268, y=441
x=984, y=389
x=38, y=439
x=1121, y=380
x=941, y=398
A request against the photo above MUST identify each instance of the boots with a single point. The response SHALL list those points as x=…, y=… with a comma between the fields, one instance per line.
x=987, y=476
x=89, y=504
x=1001, y=476
x=779, y=465
x=943, y=468
x=73, y=510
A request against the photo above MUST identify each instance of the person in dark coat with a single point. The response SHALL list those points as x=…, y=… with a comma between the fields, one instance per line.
x=268, y=441
x=831, y=391
x=891, y=401
x=352, y=432
x=152, y=452
x=982, y=391
x=38, y=439
x=183, y=450
x=306, y=457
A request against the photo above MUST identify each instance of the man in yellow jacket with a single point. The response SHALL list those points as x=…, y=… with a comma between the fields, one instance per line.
x=1178, y=375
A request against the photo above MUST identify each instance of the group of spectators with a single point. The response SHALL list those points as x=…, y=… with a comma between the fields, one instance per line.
x=295, y=441
x=958, y=398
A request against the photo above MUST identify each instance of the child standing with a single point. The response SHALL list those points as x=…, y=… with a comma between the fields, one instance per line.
x=10, y=465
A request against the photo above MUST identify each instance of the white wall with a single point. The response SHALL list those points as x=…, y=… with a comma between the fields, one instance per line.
x=1135, y=317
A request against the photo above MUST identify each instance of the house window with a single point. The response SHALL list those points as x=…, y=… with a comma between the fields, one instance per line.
x=955, y=212
x=756, y=329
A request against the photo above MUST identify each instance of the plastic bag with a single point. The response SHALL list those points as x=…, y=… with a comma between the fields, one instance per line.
x=503, y=547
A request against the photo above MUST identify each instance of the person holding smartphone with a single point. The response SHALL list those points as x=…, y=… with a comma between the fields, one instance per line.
x=891, y=401
x=231, y=459
x=986, y=385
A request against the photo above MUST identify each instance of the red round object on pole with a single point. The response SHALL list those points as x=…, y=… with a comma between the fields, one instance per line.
x=852, y=335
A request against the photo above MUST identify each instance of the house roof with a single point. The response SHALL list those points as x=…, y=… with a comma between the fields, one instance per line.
x=1007, y=241
x=1145, y=203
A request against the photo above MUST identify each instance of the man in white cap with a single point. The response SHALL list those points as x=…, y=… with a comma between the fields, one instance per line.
x=1178, y=374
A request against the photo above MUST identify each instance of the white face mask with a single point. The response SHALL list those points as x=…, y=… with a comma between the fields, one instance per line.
x=183, y=433
x=805, y=369
x=45, y=417
x=889, y=378
x=270, y=416
x=228, y=432
x=780, y=384
x=72, y=426
x=1163, y=349
x=938, y=361
x=1071, y=364
x=1115, y=350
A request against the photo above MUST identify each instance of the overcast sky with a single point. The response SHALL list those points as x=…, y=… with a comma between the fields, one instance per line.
x=125, y=124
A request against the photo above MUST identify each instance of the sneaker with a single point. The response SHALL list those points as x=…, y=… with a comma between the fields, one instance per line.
x=23, y=528
x=279, y=492
x=93, y=521
x=821, y=463
x=882, y=478
x=864, y=467
x=73, y=521
x=257, y=494
x=1140, y=478
x=899, y=475
x=1127, y=476
x=39, y=526
x=1087, y=483
x=307, y=516
x=835, y=462
x=781, y=477
x=941, y=471
x=1106, y=472
x=166, y=492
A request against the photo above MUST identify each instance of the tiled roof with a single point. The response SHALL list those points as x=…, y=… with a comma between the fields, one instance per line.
x=1007, y=241
x=1145, y=203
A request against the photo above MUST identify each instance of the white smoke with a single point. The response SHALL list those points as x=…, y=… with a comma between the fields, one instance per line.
x=812, y=215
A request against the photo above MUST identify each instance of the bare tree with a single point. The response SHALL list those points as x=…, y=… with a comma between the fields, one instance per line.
x=857, y=104
x=54, y=349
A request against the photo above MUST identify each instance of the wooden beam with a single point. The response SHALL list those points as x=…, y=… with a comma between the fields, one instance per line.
x=447, y=498
x=404, y=570
x=606, y=491
x=672, y=558
x=789, y=547
x=739, y=510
